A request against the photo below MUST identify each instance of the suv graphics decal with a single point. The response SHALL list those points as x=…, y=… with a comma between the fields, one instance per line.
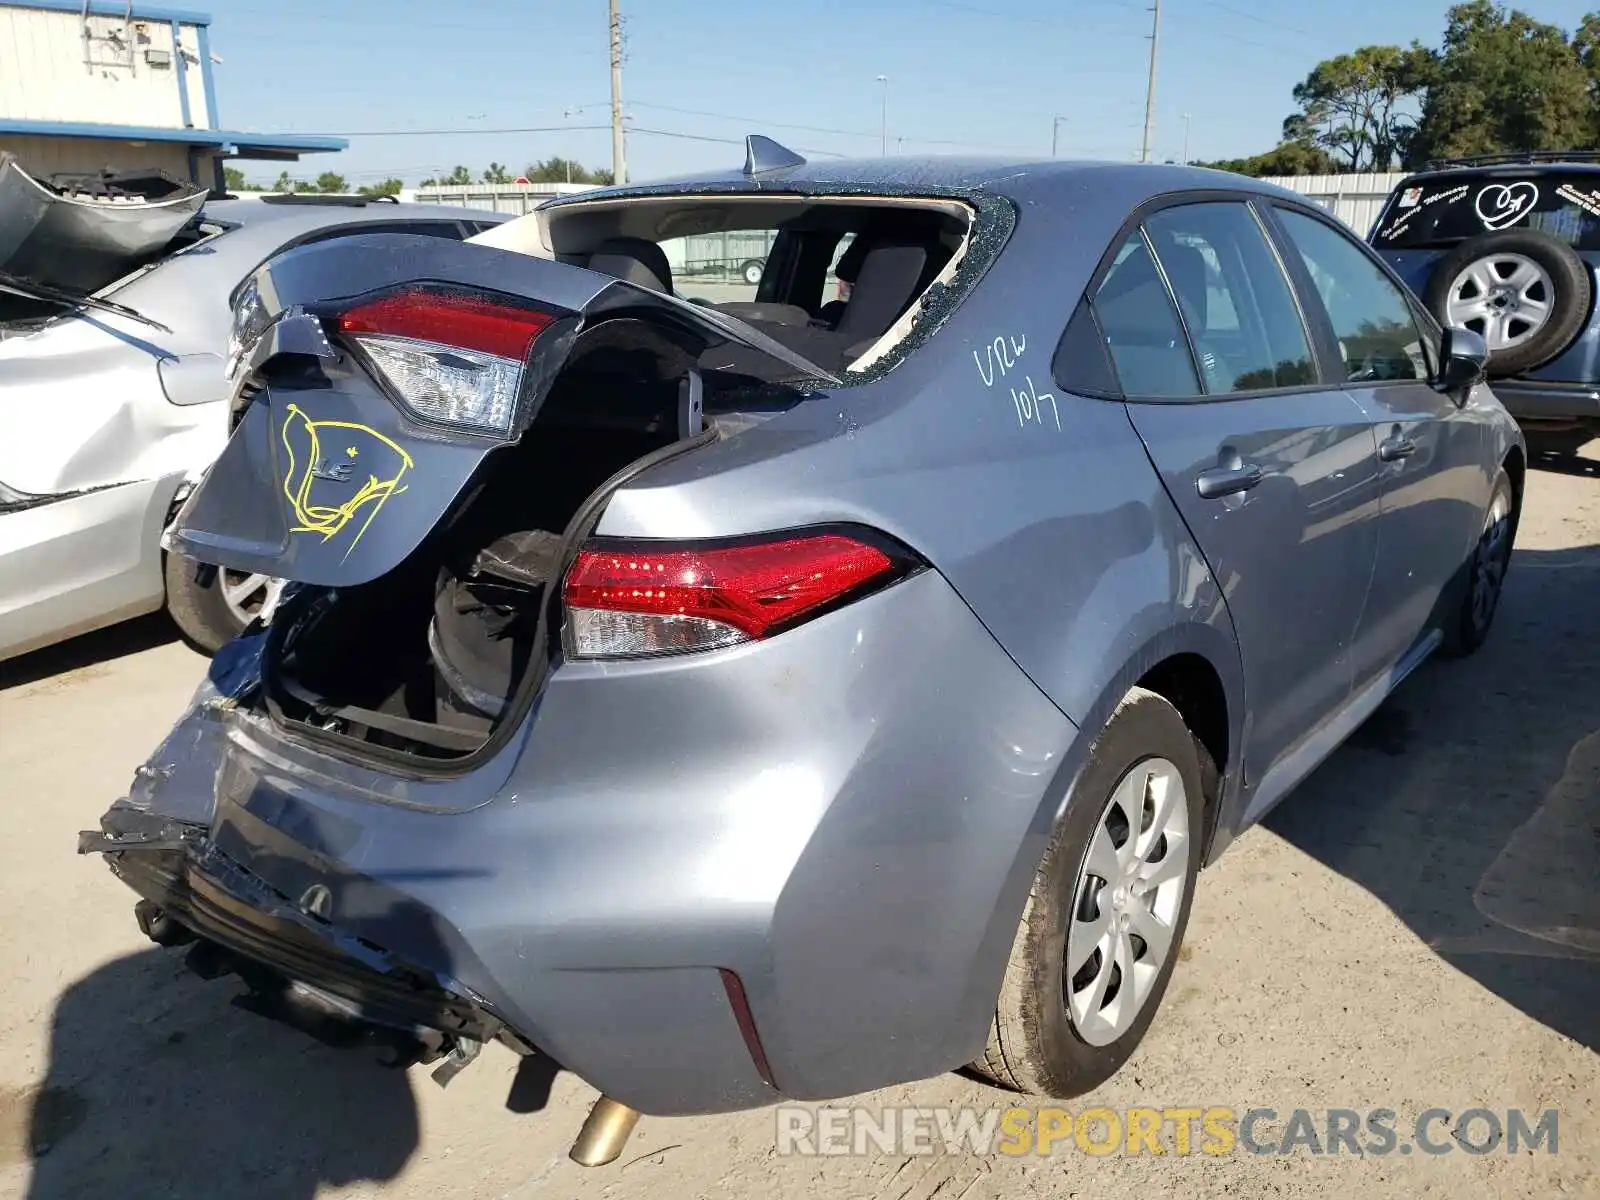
x=1502, y=205
x=1411, y=201
x=1588, y=201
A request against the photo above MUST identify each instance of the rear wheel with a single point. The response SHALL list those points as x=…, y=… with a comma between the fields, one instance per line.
x=1468, y=627
x=1525, y=293
x=753, y=271
x=212, y=615
x=1100, y=935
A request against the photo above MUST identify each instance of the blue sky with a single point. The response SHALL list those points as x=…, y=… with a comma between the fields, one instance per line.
x=985, y=76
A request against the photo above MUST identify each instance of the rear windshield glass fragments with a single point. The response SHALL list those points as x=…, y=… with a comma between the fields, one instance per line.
x=1451, y=209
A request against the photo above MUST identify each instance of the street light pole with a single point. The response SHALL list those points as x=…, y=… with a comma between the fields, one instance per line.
x=883, y=133
x=1055, y=130
x=1186, y=139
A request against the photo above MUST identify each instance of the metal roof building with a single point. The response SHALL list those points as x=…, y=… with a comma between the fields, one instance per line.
x=89, y=85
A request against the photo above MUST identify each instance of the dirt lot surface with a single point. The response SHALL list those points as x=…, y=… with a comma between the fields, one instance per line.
x=1417, y=927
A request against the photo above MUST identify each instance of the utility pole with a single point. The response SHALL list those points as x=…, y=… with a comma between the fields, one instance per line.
x=619, y=153
x=1150, y=93
x=1055, y=130
x=1186, y=139
x=883, y=134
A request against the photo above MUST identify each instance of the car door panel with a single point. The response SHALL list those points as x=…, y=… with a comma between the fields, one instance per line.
x=1274, y=472
x=1431, y=448
x=1293, y=553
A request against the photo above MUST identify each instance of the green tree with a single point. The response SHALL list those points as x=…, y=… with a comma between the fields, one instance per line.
x=330, y=182
x=564, y=170
x=283, y=183
x=1363, y=106
x=389, y=187
x=460, y=177
x=233, y=179
x=1291, y=158
x=497, y=173
x=1504, y=82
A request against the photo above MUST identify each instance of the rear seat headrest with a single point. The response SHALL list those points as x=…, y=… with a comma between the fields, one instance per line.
x=849, y=264
x=635, y=260
x=889, y=280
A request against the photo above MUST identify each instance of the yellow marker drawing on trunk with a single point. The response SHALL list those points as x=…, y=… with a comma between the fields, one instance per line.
x=311, y=477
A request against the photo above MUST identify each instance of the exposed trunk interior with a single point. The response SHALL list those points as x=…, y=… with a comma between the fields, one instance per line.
x=427, y=659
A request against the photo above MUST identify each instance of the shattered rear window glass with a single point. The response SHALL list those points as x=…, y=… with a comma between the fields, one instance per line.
x=1451, y=209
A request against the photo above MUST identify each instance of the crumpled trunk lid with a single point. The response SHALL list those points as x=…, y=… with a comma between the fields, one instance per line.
x=327, y=478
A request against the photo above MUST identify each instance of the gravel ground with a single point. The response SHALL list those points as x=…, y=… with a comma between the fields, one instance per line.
x=1418, y=927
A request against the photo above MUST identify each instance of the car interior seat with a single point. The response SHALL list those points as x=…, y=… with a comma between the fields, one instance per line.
x=635, y=260
x=845, y=270
x=889, y=280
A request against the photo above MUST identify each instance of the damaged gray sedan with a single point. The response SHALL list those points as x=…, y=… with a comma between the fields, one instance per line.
x=787, y=698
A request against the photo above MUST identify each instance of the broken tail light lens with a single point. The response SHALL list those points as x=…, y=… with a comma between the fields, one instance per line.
x=452, y=359
x=638, y=601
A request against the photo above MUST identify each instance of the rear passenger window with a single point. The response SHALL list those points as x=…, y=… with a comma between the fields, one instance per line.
x=1141, y=329
x=1378, y=335
x=1236, y=301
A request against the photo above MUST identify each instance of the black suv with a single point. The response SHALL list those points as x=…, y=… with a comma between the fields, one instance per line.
x=1508, y=246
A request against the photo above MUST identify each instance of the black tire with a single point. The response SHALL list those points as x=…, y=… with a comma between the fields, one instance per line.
x=1467, y=625
x=1574, y=293
x=753, y=270
x=200, y=613
x=1033, y=1046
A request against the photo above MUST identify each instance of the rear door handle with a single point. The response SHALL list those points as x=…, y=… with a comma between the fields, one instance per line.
x=1393, y=449
x=1228, y=481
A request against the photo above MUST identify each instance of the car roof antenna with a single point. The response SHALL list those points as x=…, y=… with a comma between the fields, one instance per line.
x=763, y=156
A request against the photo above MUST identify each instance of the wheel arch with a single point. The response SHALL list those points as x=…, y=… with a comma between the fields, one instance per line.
x=1515, y=465
x=1191, y=684
x=1191, y=664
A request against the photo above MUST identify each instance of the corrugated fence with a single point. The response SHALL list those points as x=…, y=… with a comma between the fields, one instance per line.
x=1354, y=199
x=518, y=198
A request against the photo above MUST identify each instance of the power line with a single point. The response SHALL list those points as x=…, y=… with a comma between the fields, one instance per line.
x=463, y=130
x=1250, y=16
x=1021, y=17
x=701, y=137
x=700, y=112
x=758, y=123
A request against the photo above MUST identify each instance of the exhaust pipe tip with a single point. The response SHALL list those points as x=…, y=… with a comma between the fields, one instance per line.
x=605, y=1132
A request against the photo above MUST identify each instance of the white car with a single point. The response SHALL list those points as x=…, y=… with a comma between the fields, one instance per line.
x=111, y=407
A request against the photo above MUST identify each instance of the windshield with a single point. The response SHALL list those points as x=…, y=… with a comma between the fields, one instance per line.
x=38, y=293
x=1445, y=210
x=27, y=306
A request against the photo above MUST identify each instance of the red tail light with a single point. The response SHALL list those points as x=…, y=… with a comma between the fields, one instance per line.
x=453, y=359
x=630, y=601
x=464, y=322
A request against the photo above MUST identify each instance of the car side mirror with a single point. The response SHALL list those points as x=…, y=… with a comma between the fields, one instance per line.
x=1464, y=360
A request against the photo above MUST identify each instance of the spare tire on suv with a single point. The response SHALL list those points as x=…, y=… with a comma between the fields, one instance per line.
x=1526, y=293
